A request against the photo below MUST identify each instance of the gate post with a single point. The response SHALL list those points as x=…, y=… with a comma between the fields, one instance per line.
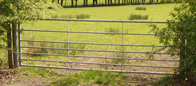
x=19, y=44
x=14, y=32
x=122, y=56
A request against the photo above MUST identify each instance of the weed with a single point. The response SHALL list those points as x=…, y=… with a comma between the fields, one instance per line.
x=54, y=16
x=11, y=80
x=119, y=54
x=114, y=30
x=165, y=81
x=36, y=71
x=82, y=16
x=3, y=59
x=140, y=8
x=90, y=77
x=138, y=17
x=1, y=62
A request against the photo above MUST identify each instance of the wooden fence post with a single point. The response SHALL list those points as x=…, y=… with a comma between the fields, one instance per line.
x=9, y=46
x=15, y=52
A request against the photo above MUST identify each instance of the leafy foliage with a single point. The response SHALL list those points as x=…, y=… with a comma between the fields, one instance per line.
x=19, y=11
x=181, y=37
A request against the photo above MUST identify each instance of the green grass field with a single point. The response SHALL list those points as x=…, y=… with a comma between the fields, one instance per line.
x=158, y=12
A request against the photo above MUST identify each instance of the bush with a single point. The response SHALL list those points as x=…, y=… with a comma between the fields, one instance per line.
x=180, y=37
x=138, y=17
x=140, y=8
x=82, y=16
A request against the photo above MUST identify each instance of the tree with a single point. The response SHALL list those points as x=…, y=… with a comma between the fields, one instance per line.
x=180, y=36
x=14, y=12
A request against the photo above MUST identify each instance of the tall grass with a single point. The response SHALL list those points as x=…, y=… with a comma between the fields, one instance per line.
x=140, y=8
x=90, y=77
x=36, y=71
x=138, y=17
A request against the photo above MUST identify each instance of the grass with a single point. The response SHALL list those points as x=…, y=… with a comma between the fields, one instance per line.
x=80, y=2
x=90, y=77
x=165, y=81
x=155, y=12
x=3, y=60
x=36, y=71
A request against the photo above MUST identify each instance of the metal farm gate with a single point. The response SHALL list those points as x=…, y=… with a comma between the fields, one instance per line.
x=107, y=49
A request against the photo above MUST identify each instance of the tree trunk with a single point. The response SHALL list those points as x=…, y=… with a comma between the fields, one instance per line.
x=84, y=3
x=62, y=2
x=72, y=3
x=9, y=46
x=76, y=4
x=93, y=2
x=65, y=3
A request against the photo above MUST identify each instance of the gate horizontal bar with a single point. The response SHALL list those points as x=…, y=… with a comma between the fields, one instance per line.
x=96, y=43
x=101, y=63
x=122, y=71
x=103, y=57
x=94, y=50
x=115, y=33
x=90, y=20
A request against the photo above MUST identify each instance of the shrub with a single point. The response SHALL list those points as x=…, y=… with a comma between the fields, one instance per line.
x=140, y=8
x=138, y=17
x=82, y=16
x=180, y=37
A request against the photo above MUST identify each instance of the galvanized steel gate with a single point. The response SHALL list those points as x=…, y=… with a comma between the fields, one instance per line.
x=119, y=66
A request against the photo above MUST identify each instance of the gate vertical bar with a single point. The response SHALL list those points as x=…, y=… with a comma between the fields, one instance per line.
x=19, y=45
x=68, y=44
x=122, y=50
x=15, y=51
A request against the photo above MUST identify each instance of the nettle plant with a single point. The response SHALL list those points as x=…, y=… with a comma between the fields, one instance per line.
x=180, y=36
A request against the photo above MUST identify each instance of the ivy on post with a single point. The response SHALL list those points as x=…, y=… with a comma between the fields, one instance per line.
x=182, y=56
